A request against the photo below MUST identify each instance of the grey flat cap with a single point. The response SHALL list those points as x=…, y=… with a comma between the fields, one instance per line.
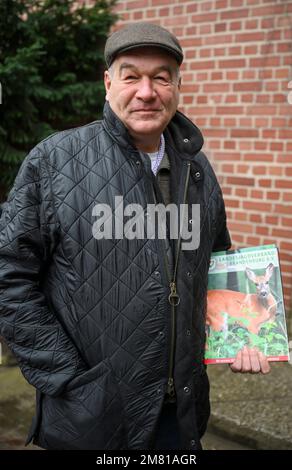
x=141, y=35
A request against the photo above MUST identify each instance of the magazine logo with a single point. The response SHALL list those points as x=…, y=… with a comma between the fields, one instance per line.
x=212, y=265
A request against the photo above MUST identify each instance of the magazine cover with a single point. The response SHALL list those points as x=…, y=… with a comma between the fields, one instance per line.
x=245, y=305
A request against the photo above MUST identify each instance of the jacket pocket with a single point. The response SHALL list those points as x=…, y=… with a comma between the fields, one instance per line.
x=88, y=415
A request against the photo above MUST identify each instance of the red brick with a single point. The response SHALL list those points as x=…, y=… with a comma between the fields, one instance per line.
x=242, y=228
x=269, y=10
x=158, y=2
x=275, y=170
x=252, y=37
x=216, y=87
x=285, y=158
x=258, y=157
x=201, y=65
x=229, y=168
x=220, y=27
x=235, y=26
x=274, y=195
x=259, y=170
x=229, y=144
x=284, y=245
x=231, y=14
x=267, y=23
x=206, y=6
x=231, y=202
x=244, y=145
x=175, y=21
x=265, y=183
x=287, y=197
x=178, y=10
x=256, y=194
x=137, y=15
x=242, y=169
x=283, y=208
x=244, y=133
x=163, y=12
x=276, y=232
x=240, y=215
x=257, y=206
x=241, y=192
x=260, y=145
x=272, y=220
x=253, y=241
x=263, y=230
x=230, y=110
x=192, y=8
x=190, y=42
x=219, y=51
x=205, y=18
x=240, y=180
x=237, y=238
x=287, y=222
x=251, y=24
x=283, y=184
x=276, y=145
x=232, y=63
x=151, y=13
x=220, y=4
x=137, y=4
x=257, y=218
x=188, y=99
x=216, y=76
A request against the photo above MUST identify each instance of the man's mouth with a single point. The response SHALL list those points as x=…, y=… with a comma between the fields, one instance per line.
x=145, y=110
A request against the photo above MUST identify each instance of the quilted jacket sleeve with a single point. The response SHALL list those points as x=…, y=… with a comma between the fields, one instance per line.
x=222, y=241
x=47, y=357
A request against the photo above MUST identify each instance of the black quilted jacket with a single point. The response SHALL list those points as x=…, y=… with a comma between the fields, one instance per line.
x=89, y=320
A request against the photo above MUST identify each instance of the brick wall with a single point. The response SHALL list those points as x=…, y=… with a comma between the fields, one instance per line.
x=238, y=57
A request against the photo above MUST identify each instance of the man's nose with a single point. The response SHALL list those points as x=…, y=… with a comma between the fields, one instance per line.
x=146, y=90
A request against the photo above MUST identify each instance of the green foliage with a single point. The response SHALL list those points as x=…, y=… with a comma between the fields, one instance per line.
x=271, y=339
x=51, y=67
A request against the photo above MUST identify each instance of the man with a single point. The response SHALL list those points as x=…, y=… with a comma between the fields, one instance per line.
x=111, y=330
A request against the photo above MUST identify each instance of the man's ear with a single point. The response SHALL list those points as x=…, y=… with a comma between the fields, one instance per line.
x=107, y=83
x=179, y=83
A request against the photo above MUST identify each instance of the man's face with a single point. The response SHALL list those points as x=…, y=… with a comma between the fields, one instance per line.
x=143, y=90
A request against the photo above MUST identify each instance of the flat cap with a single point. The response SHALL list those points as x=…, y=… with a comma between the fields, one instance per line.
x=141, y=35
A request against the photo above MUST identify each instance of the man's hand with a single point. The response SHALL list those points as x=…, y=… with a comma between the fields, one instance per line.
x=250, y=360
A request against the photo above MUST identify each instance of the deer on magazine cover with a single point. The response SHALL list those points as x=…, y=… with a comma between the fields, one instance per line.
x=257, y=308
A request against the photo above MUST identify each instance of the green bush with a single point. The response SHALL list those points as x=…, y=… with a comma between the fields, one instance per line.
x=51, y=68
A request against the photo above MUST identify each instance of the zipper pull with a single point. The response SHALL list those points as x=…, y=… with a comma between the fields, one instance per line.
x=170, y=388
x=173, y=298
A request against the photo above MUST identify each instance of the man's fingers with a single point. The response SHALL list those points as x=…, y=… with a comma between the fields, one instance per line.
x=250, y=360
x=246, y=365
x=264, y=363
x=237, y=363
x=255, y=361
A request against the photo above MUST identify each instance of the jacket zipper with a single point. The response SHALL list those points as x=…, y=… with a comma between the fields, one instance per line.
x=174, y=298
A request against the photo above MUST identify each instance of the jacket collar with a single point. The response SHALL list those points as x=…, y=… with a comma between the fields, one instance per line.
x=181, y=133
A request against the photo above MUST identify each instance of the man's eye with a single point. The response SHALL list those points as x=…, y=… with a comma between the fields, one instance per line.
x=130, y=77
x=162, y=80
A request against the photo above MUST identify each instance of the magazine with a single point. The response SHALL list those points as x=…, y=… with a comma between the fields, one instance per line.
x=245, y=305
